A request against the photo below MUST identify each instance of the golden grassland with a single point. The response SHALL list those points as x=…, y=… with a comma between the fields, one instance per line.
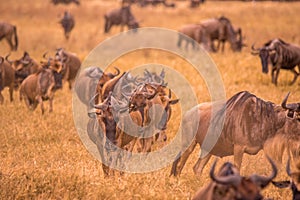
x=42, y=157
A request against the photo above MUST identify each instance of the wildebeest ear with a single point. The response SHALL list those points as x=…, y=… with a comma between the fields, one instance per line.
x=1, y=60
x=281, y=184
x=172, y=102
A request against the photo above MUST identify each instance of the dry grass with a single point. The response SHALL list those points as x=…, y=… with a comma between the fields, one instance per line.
x=42, y=157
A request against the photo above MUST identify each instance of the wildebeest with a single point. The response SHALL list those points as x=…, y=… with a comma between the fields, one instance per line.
x=250, y=124
x=229, y=184
x=282, y=55
x=71, y=64
x=120, y=16
x=41, y=86
x=144, y=3
x=9, y=32
x=195, y=3
x=23, y=67
x=193, y=31
x=208, y=31
x=222, y=30
x=294, y=183
x=7, y=78
x=67, y=23
x=55, y=2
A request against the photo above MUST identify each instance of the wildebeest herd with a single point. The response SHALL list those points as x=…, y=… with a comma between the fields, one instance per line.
x=115, y=101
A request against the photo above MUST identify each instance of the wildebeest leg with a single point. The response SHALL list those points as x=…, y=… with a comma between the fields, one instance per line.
x=238, y=152
x=122, y=27
x=11, y=89
x=9, y=40
x=198, y=167
x=276, y=75
x=179, y=40
x=1, y=98
x=40, y=101
x=50, y=104
x=295, y=76
x=223, y=46
x=272, y=75
x=179, y=164
x=70, y=84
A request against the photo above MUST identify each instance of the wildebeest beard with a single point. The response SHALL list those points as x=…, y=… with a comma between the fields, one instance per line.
x=58, y=80
x=264, y=56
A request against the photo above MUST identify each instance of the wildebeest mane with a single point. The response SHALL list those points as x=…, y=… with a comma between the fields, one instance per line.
x=279, y=39
x=240, y=98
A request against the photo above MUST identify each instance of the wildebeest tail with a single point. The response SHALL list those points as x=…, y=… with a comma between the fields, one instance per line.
x=106, y=24
x=16, y=38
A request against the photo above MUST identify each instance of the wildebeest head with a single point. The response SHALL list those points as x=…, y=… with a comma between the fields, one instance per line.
x=56, y=67
x=264, y=56
x=133, y=24
x=246, y=188
x=293, y=108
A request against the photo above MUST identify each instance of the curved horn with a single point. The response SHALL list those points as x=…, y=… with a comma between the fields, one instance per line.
x=255, y=51
x=234, y=179
x=91, y=102
x=117, y=71
x=288, y=167
x=45, y=54
x=263, y=181
x=109, y=85
x=104, y=105
x=292, y=106
x=6, y=58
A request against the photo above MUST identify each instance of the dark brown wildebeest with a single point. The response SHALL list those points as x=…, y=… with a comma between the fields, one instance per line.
x=229, y=184
x=55, y=2
x=9, y=32
x=120, y=16
x=294, y=183
x=23, y=67
x=41, y=86
x=71, y=65
x=282, y=55
x=67, y=23
x=7, y=78
x=250, y=123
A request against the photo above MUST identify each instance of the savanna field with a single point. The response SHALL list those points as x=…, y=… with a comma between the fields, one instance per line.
x=42, y=156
